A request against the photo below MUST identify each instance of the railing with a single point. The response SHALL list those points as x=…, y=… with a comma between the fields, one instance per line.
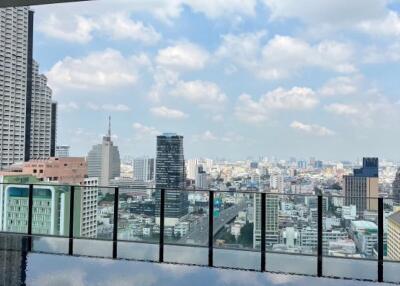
x=244, y=198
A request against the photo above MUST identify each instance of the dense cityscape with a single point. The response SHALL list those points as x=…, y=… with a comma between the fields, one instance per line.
x=30, y=154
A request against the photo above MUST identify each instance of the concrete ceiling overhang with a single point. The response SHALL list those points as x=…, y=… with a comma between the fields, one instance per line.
x=16, y=3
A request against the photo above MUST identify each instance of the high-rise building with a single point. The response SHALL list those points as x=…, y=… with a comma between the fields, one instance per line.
x=143, y=169
x=104, y=161
x=361, y=189
x=53, y=142
x=90, y=193
x=41, y=116
x=62, y=151
x=192, y=167
x=272, y=225
x=14, y=56
x=393, y=241
x=170, y=174
x=396, y=189
x=201, y=178
x=276, y=182
x=25, y=98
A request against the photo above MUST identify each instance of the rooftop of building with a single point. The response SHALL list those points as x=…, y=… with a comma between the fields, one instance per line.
x=364, y=224
x=395, y=217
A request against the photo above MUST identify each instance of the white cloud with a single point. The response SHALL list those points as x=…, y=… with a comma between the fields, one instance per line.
x=81, y=29
x=206, y=136
x=143, y=131
x=209, y=136
x=327, y=12
x=121, y=26
x=340, y=86
x=68, y=106
x=223, y=8
x=183, y=56
x=382, y=54
x=297, y=98
x=108, y=107
x=386, y=27
x=341, y=109
x=283, y=56
x=163, y=78
x=166, y=112
x=249, y=110
x=165, y=11
x=76, y=29
x=311, y=129
x=206, y=94
x=98, y=70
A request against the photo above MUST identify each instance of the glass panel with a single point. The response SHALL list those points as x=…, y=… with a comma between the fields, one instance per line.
x=137, y=222
x=350, y=227
x=350, y=268
x=291, y=227
x=392, y=230
x=50, y=211
x=138, y=251
x=93, y=212
x=291, y=263
x=95, y=248
x=14, y=202
x=56, y=245
x=186, y=254
x=391, y=272
x=234, y=220
x=186, y=224
x=136, y=215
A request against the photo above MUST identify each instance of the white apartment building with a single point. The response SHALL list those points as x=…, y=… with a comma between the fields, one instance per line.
x=13, y=83
x=143, y=169
x=89, y=207
x=40, y=146
x=26, y=122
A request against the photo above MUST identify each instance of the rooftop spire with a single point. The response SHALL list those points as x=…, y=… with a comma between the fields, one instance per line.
x=109, y=126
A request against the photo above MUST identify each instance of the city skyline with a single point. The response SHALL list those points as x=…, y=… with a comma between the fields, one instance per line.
x=320, y=89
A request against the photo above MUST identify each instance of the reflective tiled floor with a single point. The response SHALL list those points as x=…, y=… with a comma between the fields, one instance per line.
x=19, y=268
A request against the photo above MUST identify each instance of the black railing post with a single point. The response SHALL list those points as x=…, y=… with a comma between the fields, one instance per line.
x=71, y=221
x=30, y=214
x=115, y=223
x=380, y=239
x=210, y=229
x=263, y=227
x=162, y=217
x=320, y=237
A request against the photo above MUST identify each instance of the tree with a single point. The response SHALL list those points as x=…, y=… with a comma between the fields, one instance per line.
x=246, y=235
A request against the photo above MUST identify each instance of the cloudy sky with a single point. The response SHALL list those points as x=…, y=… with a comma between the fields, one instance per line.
x=236, y=78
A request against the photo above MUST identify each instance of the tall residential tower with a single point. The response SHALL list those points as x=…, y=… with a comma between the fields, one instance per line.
x=25, y=98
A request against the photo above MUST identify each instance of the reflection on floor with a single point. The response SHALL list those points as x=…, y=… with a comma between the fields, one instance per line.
x=46, y=270
x=17, y=267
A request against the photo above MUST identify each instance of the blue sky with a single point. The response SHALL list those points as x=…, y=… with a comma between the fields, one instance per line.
x=235, y=78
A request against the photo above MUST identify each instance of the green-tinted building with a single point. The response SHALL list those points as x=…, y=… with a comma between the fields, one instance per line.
x=51, y=205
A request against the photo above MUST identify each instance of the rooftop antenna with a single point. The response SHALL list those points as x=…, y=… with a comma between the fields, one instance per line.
x=109, y=126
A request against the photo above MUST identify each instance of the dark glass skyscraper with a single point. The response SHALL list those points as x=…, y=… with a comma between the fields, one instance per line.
x=170, y=174
x=396, y=188
x=361, y=189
